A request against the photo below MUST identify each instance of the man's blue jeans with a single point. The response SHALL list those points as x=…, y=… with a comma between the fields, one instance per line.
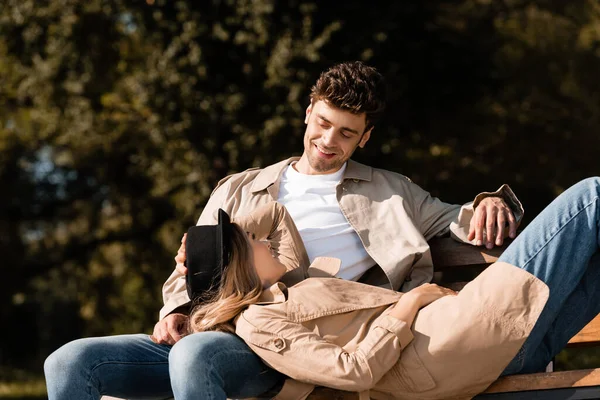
x=207, y=365
x=560, y=247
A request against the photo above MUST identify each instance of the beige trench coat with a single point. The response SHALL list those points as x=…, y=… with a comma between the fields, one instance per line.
x=335, y=333
x=393, y=217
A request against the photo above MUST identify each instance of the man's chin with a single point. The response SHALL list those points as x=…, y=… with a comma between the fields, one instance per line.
x=325, y=166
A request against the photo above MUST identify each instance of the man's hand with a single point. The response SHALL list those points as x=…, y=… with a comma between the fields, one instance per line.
x=180, y=257
x=170, y=329
x=493, y=215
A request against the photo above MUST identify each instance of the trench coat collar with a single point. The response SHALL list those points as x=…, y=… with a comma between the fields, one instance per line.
x=271, y=174
x=276, y=293
x=321, y=267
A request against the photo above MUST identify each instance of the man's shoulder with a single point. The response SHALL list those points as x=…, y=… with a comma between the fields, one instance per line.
x=379, y=174
x=250, y=175
x=393, y=175
x=250, y=172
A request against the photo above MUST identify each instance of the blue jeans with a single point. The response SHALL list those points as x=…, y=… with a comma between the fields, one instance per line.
x=560, y=247
x=207, y=365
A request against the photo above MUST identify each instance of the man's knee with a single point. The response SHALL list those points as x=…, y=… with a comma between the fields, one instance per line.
x=594, y=181
x=64, y=358
x=200, y=350
x=198, y=346
x=53, y=363
x=74, y=356
x=588, y=188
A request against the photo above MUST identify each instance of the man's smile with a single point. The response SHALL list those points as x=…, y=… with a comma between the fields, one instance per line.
x=324, y=153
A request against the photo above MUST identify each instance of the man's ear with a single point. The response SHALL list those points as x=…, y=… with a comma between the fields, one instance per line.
x=365, y=138
x=308, y=111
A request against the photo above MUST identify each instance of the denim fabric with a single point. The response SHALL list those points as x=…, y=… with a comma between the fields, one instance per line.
x=560, y=247
x=208, y=365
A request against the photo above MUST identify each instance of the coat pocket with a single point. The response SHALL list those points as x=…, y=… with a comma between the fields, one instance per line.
x=409, y=374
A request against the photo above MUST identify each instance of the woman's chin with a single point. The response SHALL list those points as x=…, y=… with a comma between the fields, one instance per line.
x=266, y=284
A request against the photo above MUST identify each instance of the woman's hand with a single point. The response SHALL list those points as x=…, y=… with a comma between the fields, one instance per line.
x=409, y=304
x=428, y=293
x=180, y=257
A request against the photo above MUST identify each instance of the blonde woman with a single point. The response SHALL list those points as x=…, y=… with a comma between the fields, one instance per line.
x=429, y=343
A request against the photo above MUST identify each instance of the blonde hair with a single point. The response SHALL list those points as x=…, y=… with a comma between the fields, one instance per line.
x=240, y=287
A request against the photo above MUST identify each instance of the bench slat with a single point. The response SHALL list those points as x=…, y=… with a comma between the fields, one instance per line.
x=323, y=393
x=588, y=336
x=447, y=253
x=513, y=383
x=546, y=380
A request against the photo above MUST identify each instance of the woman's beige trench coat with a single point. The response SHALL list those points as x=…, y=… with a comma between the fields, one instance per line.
x=331, y=332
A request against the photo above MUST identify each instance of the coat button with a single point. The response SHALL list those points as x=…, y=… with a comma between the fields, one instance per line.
x=279, y=343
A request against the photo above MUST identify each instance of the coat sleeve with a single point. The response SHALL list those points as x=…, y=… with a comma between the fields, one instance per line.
x=273, y=223
x=174, y=291
x=436, y=218
x=303, y=355
x=459, y=228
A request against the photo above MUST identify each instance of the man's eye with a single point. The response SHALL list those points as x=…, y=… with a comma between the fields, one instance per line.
x=345, y=135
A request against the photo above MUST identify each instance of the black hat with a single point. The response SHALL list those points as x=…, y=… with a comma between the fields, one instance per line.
x=208, y=252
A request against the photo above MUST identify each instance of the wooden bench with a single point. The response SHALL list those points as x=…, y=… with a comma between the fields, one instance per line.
x=455, y=265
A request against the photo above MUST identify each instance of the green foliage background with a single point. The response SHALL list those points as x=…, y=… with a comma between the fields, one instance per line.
x=118, y=117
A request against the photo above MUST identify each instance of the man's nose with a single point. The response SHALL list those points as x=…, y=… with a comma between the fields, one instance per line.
x=328, y=137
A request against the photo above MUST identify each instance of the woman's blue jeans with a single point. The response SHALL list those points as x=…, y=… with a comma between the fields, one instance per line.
x=560, y=247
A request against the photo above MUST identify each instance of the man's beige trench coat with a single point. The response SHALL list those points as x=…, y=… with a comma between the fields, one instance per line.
x=331, y=332
x=393, y=217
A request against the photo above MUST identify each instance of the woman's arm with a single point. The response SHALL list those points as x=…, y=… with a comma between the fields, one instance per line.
x=411, y=302
x=273, y=222
x=302, y=354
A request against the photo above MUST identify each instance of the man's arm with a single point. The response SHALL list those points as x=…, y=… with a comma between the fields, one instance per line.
x=489, y=219
x=482, y=220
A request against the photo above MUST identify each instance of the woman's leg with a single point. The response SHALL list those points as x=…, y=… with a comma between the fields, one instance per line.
x=126, y=366
x=217, y=365
x=560, y=247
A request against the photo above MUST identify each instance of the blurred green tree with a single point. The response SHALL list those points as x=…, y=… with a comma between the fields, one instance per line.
x=117, y=118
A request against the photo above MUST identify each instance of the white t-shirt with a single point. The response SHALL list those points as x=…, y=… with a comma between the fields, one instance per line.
x=311, y=201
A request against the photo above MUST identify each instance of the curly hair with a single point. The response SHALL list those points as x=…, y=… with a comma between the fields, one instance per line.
x=355, y=87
